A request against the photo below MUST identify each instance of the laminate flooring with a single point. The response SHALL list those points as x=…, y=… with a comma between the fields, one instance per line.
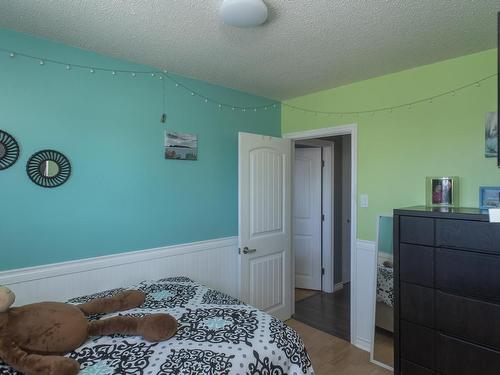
x=333, y=356
x=328, y=312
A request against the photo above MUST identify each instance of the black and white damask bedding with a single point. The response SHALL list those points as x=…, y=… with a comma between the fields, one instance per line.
x=217, y=335
x=385, y=285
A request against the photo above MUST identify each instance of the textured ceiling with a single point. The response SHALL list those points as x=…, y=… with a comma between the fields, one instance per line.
x=307, y=45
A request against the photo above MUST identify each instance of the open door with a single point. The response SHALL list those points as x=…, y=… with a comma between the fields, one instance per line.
x=265, y=223
x=306, y=221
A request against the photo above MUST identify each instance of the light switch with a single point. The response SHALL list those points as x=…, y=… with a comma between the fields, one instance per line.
x=364, y=200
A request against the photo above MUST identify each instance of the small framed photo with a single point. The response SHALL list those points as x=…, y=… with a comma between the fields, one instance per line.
x=491, y=135
x=181, y=146
x=442, y=192
x=489, y=197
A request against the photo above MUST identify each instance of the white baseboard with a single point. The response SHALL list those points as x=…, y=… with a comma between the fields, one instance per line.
x=363, y=344
x=366, y=258
x=212, y=262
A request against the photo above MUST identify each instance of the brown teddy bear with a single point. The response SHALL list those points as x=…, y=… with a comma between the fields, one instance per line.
x=34, y=338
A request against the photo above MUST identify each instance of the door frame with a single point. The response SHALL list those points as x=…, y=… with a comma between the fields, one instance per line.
x=350, y=129
x=327, y=206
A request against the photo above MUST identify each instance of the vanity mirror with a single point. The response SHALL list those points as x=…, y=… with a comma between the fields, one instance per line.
x=382, y=351
x=9, y=150
x=48, y=168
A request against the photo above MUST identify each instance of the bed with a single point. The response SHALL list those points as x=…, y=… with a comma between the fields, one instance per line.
x=217, y=334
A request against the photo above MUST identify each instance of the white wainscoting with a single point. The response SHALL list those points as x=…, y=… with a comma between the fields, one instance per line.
x=213, y=263
x=366, y=257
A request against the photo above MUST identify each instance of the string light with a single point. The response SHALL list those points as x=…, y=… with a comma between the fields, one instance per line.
x=164, y=75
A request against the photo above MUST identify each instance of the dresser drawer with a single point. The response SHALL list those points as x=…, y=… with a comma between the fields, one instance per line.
x=417, y=344
x=408, y=368
x=416, y=230
x=471, y=235
x=416, y=264
x=457, y=357
x=469, y=319
x=468, y=274
x=417, y=304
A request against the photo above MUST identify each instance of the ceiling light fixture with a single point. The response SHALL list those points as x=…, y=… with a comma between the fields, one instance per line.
x=243, y=13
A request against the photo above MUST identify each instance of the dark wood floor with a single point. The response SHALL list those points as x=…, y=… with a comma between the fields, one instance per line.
x=328, y=312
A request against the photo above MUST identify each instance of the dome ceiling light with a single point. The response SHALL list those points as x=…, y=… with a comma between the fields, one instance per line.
x=243, y=13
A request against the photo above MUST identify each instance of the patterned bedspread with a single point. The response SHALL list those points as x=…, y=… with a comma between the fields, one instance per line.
x=217, y=335
x=385, y=285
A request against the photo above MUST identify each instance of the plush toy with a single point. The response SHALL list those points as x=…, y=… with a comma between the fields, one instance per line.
x=34, y=338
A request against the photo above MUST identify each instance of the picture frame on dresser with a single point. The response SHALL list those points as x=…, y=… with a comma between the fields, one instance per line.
x=489, y=197
x=442, y=191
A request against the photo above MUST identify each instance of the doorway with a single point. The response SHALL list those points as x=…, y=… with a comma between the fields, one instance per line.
x=321, y=233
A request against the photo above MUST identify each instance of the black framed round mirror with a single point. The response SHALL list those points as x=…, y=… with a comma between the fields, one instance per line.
x=9, y=150
x=48, y=168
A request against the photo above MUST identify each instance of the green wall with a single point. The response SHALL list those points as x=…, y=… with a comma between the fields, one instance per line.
x=397, y=150
x=122, y=195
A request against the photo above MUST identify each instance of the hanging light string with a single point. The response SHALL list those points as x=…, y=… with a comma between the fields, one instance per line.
x=408, y=105
x=162, y=75
x=153, y=73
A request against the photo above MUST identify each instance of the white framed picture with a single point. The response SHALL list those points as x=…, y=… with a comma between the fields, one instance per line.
x=491, y=134
x=181, y=146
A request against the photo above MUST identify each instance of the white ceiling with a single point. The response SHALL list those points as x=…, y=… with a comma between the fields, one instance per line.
x=307, y=45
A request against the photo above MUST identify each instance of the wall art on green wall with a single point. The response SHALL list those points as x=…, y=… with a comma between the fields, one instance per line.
x=491, y=134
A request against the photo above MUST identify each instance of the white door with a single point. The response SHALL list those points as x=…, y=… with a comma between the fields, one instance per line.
x=306, y=222
x=265, y=223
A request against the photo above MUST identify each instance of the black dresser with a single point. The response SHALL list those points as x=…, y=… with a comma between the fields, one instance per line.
x=447, y=292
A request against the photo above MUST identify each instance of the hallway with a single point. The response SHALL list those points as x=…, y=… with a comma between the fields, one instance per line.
x=328, y=312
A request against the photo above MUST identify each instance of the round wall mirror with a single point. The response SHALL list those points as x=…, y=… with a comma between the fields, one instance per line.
x=9, y=150
x=48, y=168
x=3, y=150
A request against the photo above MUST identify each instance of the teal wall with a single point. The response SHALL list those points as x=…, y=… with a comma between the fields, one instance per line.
x=385, y=234
x=123, y=195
